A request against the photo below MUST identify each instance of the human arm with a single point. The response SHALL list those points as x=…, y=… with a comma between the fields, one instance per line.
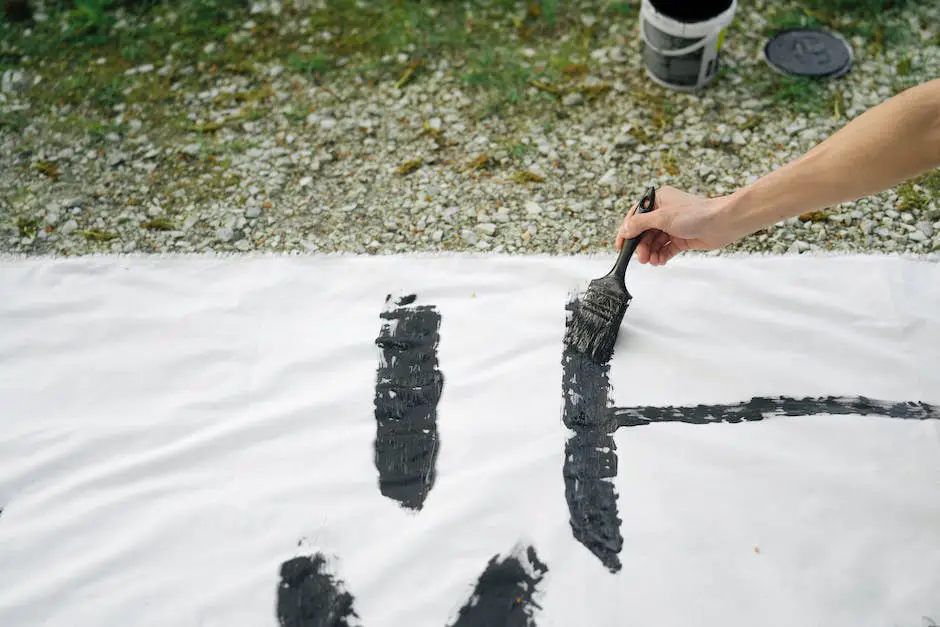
x=886, y=145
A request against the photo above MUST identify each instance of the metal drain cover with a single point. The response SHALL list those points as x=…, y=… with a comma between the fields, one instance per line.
x=809, y=52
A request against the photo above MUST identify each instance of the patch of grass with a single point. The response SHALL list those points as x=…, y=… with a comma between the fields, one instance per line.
x=479, y=162
x=670, y=165
x=498, y=72
x=524, y=176
x=409, y=166
x=799, y=94
x=519, y=150
x=95, y=235
x=626, y=10
x=159, y=224
x=903, y=67
x=28, y=227
x=930, y=181
x=13, y=121
x=47, y=168
x=378, y=40
x=90, y=20
x=308, y=64
x=814, y=216
x=911, y=198
x=869, y=19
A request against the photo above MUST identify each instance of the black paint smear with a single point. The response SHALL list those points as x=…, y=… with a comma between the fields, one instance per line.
x=759, y=408
x=408, y=388
x=308, y=596
x=504, y=594
x=590, y=455
x=590, y=465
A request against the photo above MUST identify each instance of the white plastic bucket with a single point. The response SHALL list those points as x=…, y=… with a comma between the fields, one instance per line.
x=682, y=55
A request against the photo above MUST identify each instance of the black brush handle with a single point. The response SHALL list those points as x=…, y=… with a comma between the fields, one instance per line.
x=620, y=268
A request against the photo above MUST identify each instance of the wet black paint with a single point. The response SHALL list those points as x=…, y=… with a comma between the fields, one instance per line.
x=309, y=596
x=589, y=469
x=407, y=391
x=504, y=594
x=590, y=455
x=759, y=408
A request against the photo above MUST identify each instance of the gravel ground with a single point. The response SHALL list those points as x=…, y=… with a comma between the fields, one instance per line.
x=349, y=166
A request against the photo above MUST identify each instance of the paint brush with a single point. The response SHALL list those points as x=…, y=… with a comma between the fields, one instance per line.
x=596, y=319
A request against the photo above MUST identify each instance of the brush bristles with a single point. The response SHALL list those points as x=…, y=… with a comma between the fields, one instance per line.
x=596, y=323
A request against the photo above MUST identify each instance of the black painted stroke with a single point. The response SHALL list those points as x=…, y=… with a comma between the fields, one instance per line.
x=504, y=595
x=590, y=453
x=408, y=388
x=590, y=456
x=309, y=596
x=759, y=408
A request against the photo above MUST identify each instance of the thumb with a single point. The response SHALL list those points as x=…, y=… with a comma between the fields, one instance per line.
x=641, y=222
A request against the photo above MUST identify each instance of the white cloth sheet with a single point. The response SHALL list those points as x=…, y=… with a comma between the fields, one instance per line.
x=173, y=429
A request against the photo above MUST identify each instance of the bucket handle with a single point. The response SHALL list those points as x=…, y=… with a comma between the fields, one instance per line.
x=673, y=53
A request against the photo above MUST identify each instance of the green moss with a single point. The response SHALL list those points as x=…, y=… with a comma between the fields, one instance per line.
x=28, y=227
x=47, y=168
x=814, y=216
x=904, y=66
x=409, y=166
x=159, y=224
x=13, y=121
x=95, y=235
x=910, y=197
x=524, y=176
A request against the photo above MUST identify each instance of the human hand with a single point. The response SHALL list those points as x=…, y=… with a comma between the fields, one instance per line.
x=679, y=221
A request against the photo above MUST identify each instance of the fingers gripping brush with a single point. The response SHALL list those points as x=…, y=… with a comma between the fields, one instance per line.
x=596, y=322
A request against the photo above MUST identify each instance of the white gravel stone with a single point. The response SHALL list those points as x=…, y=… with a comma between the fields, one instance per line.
x=572, y=99
x=532, y=208
x=487, y=227
x=610, y=178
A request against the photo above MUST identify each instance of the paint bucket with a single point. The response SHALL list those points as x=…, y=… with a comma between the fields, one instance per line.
x=682, y=39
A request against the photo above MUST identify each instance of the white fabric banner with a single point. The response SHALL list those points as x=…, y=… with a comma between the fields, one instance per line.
x=183, y=438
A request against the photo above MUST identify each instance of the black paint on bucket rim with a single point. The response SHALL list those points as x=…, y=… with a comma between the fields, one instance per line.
x=691, y=12
x=783, y=62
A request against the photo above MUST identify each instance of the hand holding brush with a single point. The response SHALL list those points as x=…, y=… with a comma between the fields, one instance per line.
x=597, y=317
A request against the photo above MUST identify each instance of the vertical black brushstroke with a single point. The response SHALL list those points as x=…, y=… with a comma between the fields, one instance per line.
x=504, y=594
x=408, y=388
x=590, y=455
x=759, y=408
x=309, y=596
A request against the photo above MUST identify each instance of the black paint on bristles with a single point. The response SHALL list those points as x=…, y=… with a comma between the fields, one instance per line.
x=596, y=320
x=596, y=317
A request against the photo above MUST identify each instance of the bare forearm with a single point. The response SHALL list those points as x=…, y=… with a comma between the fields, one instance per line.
x=886, y=145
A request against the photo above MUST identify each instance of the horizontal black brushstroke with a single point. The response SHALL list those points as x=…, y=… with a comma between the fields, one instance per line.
x=309, y=596
x=759, y=408
x=408, y=388
x=504, y=594
x=590, y=455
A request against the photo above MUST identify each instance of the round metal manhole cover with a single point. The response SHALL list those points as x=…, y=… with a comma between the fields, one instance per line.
x=808, y=52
